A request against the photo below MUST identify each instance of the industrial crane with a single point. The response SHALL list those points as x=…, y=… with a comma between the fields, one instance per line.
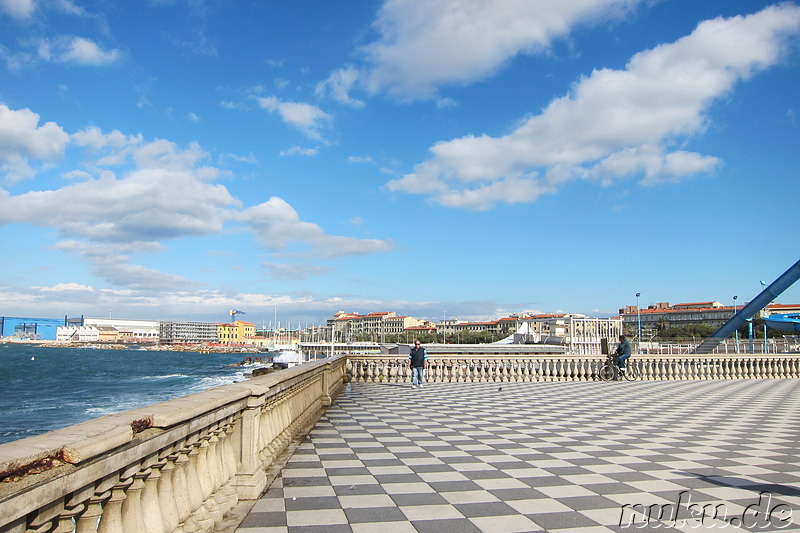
x=234, y=312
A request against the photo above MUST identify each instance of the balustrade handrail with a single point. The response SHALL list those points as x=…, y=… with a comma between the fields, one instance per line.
x=180, y=465
x=446, y=368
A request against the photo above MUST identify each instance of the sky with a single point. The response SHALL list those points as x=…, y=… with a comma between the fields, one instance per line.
x=446, y=159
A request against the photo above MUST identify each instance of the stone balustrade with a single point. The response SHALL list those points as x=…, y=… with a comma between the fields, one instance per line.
x=560, y=367
x=178, y=466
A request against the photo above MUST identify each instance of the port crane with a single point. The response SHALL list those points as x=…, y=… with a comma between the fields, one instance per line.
x=234, y=312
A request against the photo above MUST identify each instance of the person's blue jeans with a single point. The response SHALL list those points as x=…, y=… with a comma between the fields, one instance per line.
x=623, y=360
x=416, y=375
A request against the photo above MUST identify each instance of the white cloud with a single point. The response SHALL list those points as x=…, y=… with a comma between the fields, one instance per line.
x=19, y=9
x=295, y=271
x=166, y=195
x=425, y=45
x=65, y=287
x=277, y=226
x=338, y=86
x=299, y=150
x=22, y=139
x=307, y=118
x=133, y=194
x=360, y=159
x=77, y=50
x=614, y=123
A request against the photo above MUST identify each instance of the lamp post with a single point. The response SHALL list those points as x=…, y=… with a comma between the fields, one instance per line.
x=735, y=333
x=763, y=287
x=639, y=323
x=444, y=326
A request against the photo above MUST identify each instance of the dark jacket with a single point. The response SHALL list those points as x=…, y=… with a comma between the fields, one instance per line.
x=624, y=348
x=418, y=357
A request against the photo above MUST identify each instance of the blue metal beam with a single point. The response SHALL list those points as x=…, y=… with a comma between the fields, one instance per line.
x=749, y=311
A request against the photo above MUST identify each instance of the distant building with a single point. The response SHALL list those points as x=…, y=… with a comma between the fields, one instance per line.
x=77, y=334
x=174, y=332
x=581, y=334
x=712, y=313
x=374, y=326
x=109, y=330
x=237, y=332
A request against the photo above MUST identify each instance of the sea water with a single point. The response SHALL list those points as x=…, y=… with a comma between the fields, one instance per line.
x=43, y=388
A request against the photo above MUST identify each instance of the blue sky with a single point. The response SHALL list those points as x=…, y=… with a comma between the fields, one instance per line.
x=460, y=158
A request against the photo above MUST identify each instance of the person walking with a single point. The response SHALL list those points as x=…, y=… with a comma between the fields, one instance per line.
x=417, y=362
x=623, y=352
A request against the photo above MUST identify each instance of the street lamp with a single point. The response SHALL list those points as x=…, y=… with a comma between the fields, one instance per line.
x=444, y=326
x=639, y=321
x=736, y=332
x=763, y=288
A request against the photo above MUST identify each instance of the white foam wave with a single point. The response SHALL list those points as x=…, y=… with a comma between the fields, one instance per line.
x=165, y=376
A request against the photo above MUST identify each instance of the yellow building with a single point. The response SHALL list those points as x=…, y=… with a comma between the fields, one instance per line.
x=238, y=332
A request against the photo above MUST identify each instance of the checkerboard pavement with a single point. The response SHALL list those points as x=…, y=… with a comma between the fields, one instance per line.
x=556, y=456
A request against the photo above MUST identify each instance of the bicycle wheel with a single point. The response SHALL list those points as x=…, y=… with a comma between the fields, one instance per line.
x=631, y=373
x=607, y=373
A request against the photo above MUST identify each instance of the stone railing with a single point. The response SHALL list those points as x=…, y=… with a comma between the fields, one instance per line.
x=559, y=367
x=178, y=466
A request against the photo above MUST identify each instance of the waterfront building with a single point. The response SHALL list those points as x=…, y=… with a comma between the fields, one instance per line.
x=111, y=330
x=175, y=332
x=374, y=326
x=581, y=334
x=237, y=332
x=712, y=313
x=77, y=334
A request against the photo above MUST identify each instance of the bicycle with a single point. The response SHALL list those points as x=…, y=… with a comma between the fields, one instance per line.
x=610, y=370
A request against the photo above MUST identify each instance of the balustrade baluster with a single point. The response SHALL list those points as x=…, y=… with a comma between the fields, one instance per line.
x=151, y=504
x=720, y=371
x=193, y=479
x=187, y=499
x=111, y=519
x=46, y=518
x=66, y=523
x=132, y=518
x=214, y=458
x=203, y=474
x=222, y=493
x=168, y=499
x=89, y=520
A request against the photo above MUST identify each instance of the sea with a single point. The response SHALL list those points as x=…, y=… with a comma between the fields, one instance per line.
x=45, y=388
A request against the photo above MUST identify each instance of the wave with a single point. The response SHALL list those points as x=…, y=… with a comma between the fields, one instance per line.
x=166, y=376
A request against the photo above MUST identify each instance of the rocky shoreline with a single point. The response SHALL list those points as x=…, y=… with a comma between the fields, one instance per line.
x=147, y=347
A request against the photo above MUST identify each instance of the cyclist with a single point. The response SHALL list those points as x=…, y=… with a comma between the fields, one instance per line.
x=623, y=352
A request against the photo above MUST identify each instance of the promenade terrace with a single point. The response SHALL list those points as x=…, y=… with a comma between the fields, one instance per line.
x=523, y=443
